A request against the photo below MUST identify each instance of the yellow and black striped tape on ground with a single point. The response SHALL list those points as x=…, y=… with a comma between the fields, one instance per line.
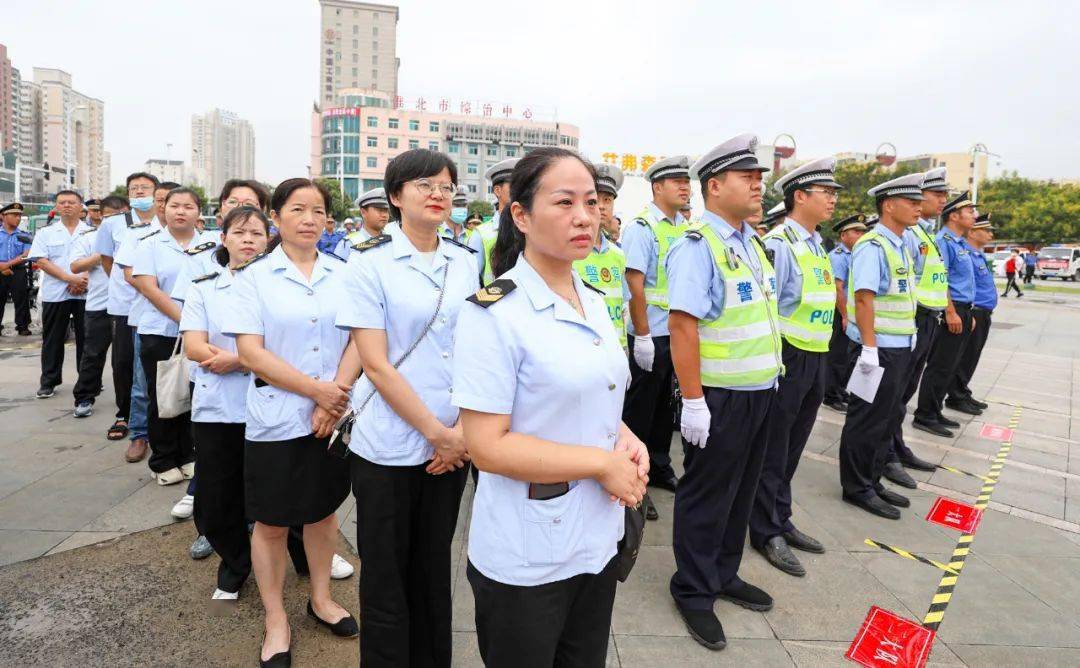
x=945, y=588
x=963, y=472
x=910, y=555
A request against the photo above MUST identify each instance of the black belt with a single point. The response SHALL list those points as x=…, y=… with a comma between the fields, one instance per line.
x=980, y=308
x=964, y=304
x=922, y=310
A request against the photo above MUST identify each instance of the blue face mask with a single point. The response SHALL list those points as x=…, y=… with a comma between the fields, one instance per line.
x=458, y=214
x=142, y=203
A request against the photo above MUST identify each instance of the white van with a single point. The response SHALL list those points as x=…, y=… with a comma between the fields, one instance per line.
x=1058, y=262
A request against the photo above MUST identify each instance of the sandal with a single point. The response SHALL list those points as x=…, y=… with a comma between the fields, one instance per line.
x=117, y=431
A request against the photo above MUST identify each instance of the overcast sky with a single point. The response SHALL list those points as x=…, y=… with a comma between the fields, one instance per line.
x=637, y=77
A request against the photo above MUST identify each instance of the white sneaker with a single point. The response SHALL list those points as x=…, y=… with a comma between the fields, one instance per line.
x=340, y=569
x=188, y=470
x=170, y=477
x=184, y=508
x=220, y=595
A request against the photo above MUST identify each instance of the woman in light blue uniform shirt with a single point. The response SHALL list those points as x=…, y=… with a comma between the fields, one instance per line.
x=540, y=377
x=282, y=315
x=403, y=291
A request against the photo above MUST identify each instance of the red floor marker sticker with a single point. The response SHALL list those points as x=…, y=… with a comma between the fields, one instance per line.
x=954, y=515
x=886, y=640
x=996, y=433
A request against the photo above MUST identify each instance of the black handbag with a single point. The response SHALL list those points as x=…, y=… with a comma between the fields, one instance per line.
x=630, y=545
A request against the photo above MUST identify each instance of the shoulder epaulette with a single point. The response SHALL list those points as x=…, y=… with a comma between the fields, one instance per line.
x=593, y=288
x=336, y=257
x=876, y=242
x=372, y=243
x=206, y=277
x=641, y=221
x=790, y=234
x=201, y=247
x=459, y=244
x=150, y=235
x=244, y=265
x=139, y=226
x=492, y=292
x=85, y=232
x=770, y=255
x=695, y=234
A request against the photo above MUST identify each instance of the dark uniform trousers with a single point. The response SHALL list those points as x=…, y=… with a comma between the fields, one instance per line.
x=715, y=495
x=565, y=623
x=405, y=520
x=170, y=438
x=868, y=429
x=839, y=361
x=97, y=337
x=959, y=389
x=123, y=364
x=18, y=287
x=649, y=408
x=55, y=317
x=219, y=503
x=927, y=326
x=941, y=366
x=791, y=420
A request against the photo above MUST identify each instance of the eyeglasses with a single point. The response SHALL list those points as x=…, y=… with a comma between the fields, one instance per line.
x=829, y=194
x=233, y=202
x=425, y=187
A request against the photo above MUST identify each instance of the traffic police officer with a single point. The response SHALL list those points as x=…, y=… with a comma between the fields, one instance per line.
x=881, y=319
x=14, y=247
x=499, y=176
x=806, y=304
x=931, y=292
x=958, y=217
x=606, y=264
x=649, y=408
x=986, y=297
x=374, y=214
x=770, y=218
x=848, y=231
x=726, y=347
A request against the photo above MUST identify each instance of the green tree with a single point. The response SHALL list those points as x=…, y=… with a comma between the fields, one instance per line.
x=481, y=208
x=119, y=191
x=341, y=207
x=201, y=192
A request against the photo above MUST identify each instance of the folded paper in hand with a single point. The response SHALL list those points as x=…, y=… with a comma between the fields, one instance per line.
x=863, y=384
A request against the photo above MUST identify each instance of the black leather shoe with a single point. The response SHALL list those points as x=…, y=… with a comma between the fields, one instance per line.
x=934, y=428
x=896, y=473
x=664, y=481
x=947, y=422
x=346, y=627
x=650, y=508
x=963, y=407
x=801, y=541
x=704, y=627
x=913, y=462
x=777, y=553
x=747, y=595
x=279, y=660
x=892, y=498
x=837, y=405
x=875, y=506
x=981, y=405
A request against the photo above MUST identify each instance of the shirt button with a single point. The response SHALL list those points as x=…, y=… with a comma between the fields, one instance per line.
x=596, y=342
x=445, y=355
x=611, y=387
x=315, y=349
x=310, y=293
x=451, y=390
x=314, y=320
x=443, y=319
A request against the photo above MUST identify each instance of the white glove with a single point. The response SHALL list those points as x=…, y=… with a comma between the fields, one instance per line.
x=644, y=352
x=695, y=421
x=867, y=359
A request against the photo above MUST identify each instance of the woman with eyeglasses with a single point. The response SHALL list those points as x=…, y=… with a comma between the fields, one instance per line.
x=282, y=315
x=403, y=291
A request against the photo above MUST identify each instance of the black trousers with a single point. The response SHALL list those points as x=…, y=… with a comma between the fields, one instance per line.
x=649, y=408
x=55, y=318
x=838, y=362
x=219, y=500
x=1029, y=273
x=945, y=356
x=715, y=495
x=1011, y=284
x=959, y=389
x=868, y=429
x=565, y=624
x=123, y=364
x=405, y=520
x=96, y=340
x=170, y=438
x=928, y=328
x=18, y=287
x=791, y=420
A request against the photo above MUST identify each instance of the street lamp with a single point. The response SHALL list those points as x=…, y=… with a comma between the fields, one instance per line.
x=976, y=150
x=71, y=144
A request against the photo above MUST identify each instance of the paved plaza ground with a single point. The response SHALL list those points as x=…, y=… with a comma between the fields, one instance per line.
x=93, y=571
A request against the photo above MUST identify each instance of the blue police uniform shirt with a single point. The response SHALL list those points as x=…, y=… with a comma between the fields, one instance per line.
x=113, y=235
x=97, y=293
x=295, y=316
x=162, y=257
x=329, y=240
x=642, y=252
x=788, y=273
x=12, y=244
x=559, y=377
x=840, y=259
x=986, y=294
x=912, y=242
x=216, y=397
x=696, y=286
x=955, y=251
x=53, y=243
x=1029, y=259
x=870, y=271
x=394, y=288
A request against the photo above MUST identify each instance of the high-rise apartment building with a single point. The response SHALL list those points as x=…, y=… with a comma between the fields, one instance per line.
x=72, y=134
x=357, y=48
x=9, y=99
x=222, y=148
x=28, y=139
x=168, y=170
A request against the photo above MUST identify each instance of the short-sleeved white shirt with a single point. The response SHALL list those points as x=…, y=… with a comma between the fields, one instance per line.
x=53, y=243
x=114, y=235
x=97, y=294
x=162, y=257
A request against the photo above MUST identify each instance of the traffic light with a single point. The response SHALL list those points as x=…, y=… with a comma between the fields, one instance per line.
x=47, y=170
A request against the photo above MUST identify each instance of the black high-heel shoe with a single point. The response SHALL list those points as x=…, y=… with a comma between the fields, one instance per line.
x=346, y=627
x=279, y=660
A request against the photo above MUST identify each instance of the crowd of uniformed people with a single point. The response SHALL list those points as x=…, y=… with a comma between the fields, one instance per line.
x=552, y=350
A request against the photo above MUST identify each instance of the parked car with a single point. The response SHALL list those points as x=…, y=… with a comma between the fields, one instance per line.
x=1058, y=262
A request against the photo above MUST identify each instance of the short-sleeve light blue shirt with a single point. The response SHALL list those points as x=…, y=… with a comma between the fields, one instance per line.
x=113, y=236
x=642, y=252
x=870, y=271
x=162, y=257
x=788, y=273
x=295, y=316
x=217, y=397
x=955, y=251
x=97, y=294
x=559, y=377
x=840, y=259
x=53, y=243
x=393, y=288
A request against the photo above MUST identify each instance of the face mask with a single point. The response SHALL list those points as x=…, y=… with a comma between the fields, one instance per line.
x=458, y=214
x=142, y=203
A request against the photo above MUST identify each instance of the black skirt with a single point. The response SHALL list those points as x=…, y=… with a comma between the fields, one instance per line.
x=287, y=483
